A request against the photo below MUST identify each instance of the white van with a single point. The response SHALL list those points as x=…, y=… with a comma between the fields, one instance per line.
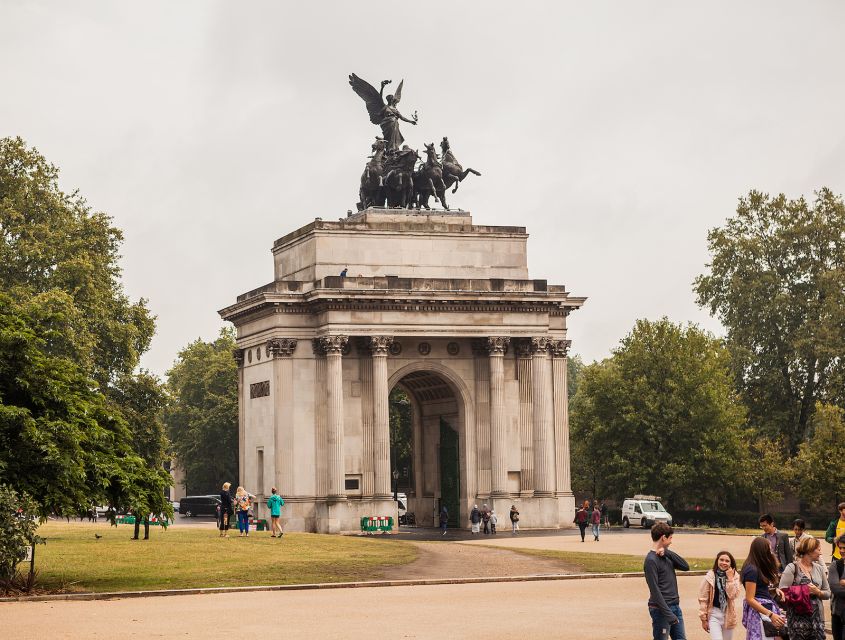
x=644, y=511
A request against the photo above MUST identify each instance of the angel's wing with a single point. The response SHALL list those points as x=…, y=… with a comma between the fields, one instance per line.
x=398, y=93
x=370, y=95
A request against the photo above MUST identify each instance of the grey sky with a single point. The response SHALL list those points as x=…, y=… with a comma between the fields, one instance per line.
x=618, y=133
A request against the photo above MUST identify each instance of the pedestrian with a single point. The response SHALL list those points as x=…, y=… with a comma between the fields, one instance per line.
x=717, y=607
x=514, y=520
x=605, y=516
x=344, y=272
x=242, y=504
x=475, y=518
x=807, y=569
x=226, y=509
x=836, y=579
x=275, y=503
x=444, y=519
x=778, y=542
x=493, y=520
x=760, y=570
x=835, y=529
x=582, y=517
x=485, y=518
x=595, y=521
x=667, y=619
x=798, y=528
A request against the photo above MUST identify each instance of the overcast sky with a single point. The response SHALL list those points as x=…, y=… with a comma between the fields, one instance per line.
x=618, y=132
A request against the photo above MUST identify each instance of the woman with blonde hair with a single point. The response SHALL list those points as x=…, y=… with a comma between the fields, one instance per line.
x=243, y=503
x=226, y=510
x=808, y=570
x=717, y=606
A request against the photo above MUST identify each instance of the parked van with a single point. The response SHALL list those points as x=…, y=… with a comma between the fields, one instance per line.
x=199, y=505
x=644, y=511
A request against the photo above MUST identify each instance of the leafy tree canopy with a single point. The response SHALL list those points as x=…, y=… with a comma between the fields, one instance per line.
x=777, y=283
x=659, y=416
x=815, y=468
x=50, y=240
x=202, y=419
x=69, y=344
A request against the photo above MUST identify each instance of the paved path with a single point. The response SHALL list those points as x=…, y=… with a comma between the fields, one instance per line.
x=449, y=560
x=547, y=609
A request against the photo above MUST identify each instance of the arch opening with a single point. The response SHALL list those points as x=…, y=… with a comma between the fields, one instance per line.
x=427, y=422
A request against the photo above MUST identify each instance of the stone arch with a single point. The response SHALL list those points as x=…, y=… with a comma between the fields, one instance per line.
x=465, y=427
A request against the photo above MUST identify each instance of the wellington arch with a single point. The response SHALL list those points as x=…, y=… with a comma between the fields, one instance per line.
x=429, y=303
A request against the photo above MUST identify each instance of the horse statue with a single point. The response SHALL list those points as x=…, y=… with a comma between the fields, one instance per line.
x=453, y=172
x=371, y=193
x=428, y=180
x=399, y=178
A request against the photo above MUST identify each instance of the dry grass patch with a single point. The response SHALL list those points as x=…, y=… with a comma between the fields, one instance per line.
x=605, y=562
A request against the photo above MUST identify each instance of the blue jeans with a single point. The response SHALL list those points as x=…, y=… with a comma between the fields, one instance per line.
x=243, y=521
x=660, y=627
x=596, y=528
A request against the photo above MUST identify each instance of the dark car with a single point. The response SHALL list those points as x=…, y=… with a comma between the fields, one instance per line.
x=199, y=505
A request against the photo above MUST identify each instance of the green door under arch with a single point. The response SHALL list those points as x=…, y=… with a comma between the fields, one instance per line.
x=450, y=479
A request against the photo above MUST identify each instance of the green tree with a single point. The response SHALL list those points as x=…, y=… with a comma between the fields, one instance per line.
x=659, y=416
x=142, y=399
x=62, y=441
x=202, y=417
x=815, y=468
x=68, y=333
x=50, y=240
x=777, y=283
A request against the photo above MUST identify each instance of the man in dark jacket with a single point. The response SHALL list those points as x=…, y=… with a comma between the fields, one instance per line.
x=779, y=542
x=664, y=603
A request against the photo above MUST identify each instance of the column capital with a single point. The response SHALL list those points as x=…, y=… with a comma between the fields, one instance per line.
x=238, y=355
x=333, y=344
x=281, y=347
x=523, y=347
x=560, y=348
x=539, y=344
x=317, y=346
x=380, y=345
x=497, y=345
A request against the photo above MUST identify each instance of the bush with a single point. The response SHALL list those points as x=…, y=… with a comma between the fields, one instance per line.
x=17, y=531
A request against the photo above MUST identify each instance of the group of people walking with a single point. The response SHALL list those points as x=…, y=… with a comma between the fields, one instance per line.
x=782, y=586
x=240, y=505
x=593, y=516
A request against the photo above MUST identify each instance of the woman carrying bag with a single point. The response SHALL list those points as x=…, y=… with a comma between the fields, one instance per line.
x=807, y=570
x=761, y=616
x=717, y=606
x=514, y=519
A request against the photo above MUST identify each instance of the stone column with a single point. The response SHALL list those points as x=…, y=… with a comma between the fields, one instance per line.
x=496, y=346
x=238, y=355
x=333, y=346
x=559, y=349
x=321, y=469
x=526, y=424
x=544, y=455
x=281, y=350
x=482, y=416
x=381, y=416
x=365, y=363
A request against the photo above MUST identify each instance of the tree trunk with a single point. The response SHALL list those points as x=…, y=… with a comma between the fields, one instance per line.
x=146, y=528
x=137, y=527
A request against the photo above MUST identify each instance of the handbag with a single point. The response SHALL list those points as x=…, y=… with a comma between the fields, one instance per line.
x=771, y=631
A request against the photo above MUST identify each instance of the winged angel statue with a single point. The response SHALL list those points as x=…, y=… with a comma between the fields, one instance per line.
x=386, y=115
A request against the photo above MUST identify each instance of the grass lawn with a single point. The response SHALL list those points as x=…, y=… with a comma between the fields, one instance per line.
x=184, y=557
x=749, y=532
x=605, y=562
